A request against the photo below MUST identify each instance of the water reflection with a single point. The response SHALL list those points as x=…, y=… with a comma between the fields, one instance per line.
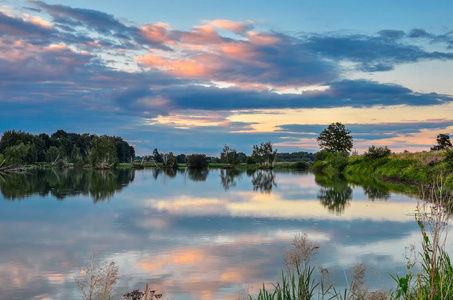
x=335, y=193
x=228, y=178
x=375, y=193
x=99, y=184
x=190, y=238
x=198, y=175
x=263, y=180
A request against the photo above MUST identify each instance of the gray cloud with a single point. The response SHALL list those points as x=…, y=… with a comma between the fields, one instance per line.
x=353, y=93
x=373, y=53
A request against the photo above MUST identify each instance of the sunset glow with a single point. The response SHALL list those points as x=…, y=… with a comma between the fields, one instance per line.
x=226, y=77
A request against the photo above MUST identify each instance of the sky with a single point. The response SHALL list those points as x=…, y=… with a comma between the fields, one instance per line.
x=191, y=76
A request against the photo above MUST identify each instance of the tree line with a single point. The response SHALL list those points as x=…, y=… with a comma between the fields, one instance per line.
x=21, y=148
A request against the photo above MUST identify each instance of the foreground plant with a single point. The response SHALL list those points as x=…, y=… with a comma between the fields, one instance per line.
x=97, y=280
x=301, y=281
x=435, y=278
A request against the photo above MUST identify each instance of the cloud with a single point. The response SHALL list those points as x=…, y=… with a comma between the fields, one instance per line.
x=15, y=26
x=236, y=27
x=373, y=53
x=97, y=20
x=64, y=62
x=26, y=62
x=261, y=59
x=350, y=93
x=371, y=131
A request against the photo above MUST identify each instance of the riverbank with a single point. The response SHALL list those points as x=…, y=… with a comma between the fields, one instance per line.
x=403, y=172
x=297, y=166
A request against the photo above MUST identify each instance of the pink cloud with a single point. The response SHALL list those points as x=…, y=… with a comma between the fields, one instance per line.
x=157, y=33
x=236, y=27
x=203, y=35
x=178, y=67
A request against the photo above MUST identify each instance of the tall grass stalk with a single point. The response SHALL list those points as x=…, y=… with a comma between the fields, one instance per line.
x=434, y=280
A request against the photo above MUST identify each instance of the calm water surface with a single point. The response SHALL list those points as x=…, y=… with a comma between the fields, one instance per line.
x=192, y=235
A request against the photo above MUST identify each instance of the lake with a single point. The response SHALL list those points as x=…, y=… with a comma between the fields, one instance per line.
x=193, y=235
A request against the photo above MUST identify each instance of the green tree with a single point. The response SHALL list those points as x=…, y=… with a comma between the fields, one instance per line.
x=103, y=152
x=264, y=154
x=335, y=138
x=169, y=160
x=229, y=156
x=443, y=141
x=15, y=156
x=76, y=156
x=53, y=154
x=32, y=154
x=197, y=161
x=157, y=156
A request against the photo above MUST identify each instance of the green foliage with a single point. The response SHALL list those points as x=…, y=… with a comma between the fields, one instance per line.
x=264, y=154
x=377, y=152
x=103, y=152
x=321, y=155
x=335, y=138
x=229, y=156
x=318, y=166
x=42, y=147
x=434, y=280
x=169, y=160
x=124, y=152
x=181, y=158
x=449, y=157
x=332, y=164
x=76, y=156
x=52, y=154
x=157, y=157
x=197, y=161
x=296, y=156
x=16, y=155
x=32, y=154
x=250, y=160
x=295, y=287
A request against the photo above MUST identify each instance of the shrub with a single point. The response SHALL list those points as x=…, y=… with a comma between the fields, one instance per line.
x=338, y=160
x=377, y=152
x=321, y=155
x=197, y=161
x=449, y=157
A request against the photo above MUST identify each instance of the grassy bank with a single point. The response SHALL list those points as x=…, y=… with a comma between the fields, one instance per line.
x=403, y=172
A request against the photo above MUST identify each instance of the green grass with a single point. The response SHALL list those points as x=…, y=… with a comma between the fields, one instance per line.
x=124, y=166
x=408, y=169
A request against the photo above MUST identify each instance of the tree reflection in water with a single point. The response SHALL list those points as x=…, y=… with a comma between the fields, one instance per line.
x=375, y=193
x=335, y=192
x=374, y=189
x=263, y=180
x=198, y=175
x=165, y=173
x=99, y=184
x=228, y=178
